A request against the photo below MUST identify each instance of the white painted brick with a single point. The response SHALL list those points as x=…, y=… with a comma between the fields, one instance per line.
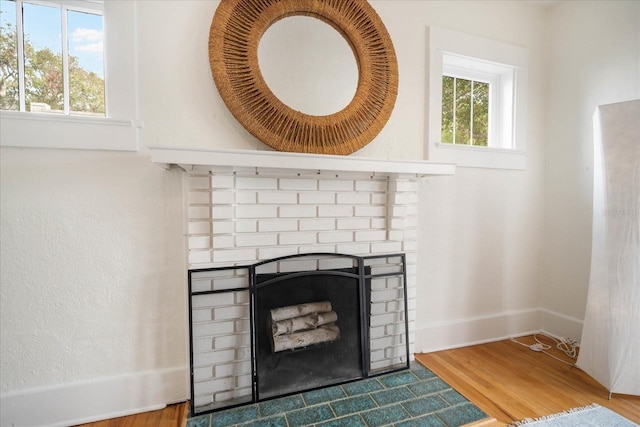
x=201, y=401
x=297, y=211
x=412, y=210
x=231, y=341
x=386, y=247
x=335, y=263
x=278, y=225
x=198, y=182
x=353, y=224
x=243, y=381
x=398, y=352
x=291, y=265
x=246, y=197
x=309, y=249
x=236, y=394
x=410, y=233
x=233, y=312
x=199, y=227
x=371, y=185
x=396, y=223
x=354, y=249
x=199, y=197
x=317, y=198
x=354, y=198
x=201, y=359
x=277, y=197
x=232, y=369
x=199, y=212
x=388, y=295
x=241, y=297
x=317, y=224
x=257, y=239
x=370, y=236
x=222, y=227
x=404, y=198
x=210, y=329
x=223, y=242
x=214, y=386
x=199, y=257
x=398, y=211
x=256, y=211
x=222, y=197
x=201, y=315
x=378, y=223
x=297, y=238
x=219, y=212
x=376, y=356
x=222, y=181
x=409, y=246
x=256, y=183
x=211, y=300
x=382, y=320
x=201, y=285
x=333, y=211
x=298, y=184
x=336, y=185
x=406, y=185
x=246, y=226
x=242, y=325
x=200, y=242
x=231, y=255
x=201, y=345
x=370, y=211
x=396, y=235
x=243, y=353
x=378, y=198
x=268, y=253
x=381, y=343
x=203, y=374
x=335, y=237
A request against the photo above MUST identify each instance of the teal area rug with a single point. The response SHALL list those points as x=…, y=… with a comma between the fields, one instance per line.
x=593, y=415
x=411, y=398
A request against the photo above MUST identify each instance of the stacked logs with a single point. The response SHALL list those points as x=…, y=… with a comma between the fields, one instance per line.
x=302, y=325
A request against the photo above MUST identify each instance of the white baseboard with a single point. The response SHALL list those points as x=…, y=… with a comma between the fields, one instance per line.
x=561, y=325
x=77, y=403
x=476, y=330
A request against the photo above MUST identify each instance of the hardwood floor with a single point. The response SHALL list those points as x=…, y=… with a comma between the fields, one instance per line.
x=171, y=416
x=511, y=382
x=506, y=380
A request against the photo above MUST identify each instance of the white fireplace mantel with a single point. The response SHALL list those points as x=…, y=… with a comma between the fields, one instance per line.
x=188, y=159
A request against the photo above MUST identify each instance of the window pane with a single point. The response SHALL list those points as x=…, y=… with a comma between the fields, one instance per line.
x=463, y=111
x=86, y=62
x=43, y=58
x=480, y=113
x=9, y=94
x=447, y=109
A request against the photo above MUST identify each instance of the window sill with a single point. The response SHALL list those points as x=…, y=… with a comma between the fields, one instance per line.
x=42, y=130
x=478, y=157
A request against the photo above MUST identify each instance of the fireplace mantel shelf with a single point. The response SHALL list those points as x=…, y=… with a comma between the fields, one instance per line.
x=188, y=159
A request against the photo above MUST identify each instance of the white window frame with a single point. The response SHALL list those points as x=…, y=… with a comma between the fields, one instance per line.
x=505, y=67
x=119, y=130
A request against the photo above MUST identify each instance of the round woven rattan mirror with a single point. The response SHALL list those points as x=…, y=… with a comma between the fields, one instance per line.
x=236, y=30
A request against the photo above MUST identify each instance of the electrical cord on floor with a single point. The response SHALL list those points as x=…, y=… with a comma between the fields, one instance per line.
x=566, y=345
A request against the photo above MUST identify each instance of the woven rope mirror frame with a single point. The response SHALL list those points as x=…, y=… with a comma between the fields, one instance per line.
x=235, y=34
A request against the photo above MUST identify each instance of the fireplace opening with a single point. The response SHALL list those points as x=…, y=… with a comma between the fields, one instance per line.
x=294, y=324
x=308, y=330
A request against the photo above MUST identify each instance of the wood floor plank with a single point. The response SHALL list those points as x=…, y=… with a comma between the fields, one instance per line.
x=511, y=382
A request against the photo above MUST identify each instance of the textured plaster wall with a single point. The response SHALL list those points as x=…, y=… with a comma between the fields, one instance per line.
x=92, y=268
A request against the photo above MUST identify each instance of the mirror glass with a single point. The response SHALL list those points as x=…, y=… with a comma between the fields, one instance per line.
x=308, y=65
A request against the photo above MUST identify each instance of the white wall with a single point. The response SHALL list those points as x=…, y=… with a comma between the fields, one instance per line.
x=594, y=59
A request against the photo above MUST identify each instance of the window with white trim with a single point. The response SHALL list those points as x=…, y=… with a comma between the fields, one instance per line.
x=52, y=57
x=68, y=74
x=477, y=101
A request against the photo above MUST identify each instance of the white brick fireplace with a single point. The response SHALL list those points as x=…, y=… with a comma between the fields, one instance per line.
x=248, y=206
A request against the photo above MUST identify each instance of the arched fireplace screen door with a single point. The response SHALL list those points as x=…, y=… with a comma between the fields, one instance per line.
x=294, y=324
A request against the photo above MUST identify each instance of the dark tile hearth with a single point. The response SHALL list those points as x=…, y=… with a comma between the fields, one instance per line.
x=413, y=398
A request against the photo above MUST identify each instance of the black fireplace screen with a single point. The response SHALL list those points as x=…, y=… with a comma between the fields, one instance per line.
x=294, y=324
